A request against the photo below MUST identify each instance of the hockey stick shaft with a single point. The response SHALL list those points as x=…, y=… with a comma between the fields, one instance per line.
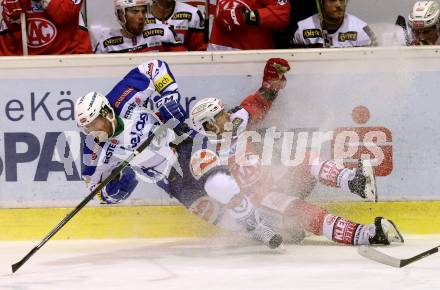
x=319, y=6
x=420, y=256
x=24, y=35
x=86, y=200
x=400, y=21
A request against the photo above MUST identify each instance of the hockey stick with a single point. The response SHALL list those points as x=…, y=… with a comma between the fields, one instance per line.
x=400, y=21
x=23, y=25
x=319, y=6
x=382, y=258
x=89, y=197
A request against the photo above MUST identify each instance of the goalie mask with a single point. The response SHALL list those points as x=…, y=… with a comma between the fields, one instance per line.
x=88, y=108
x=204, y=111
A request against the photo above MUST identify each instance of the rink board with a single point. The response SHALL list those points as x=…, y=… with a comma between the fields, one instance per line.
x=175, y=221
x=384, y=99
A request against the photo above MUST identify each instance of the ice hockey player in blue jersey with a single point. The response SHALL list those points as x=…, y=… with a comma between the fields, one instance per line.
x=118, y=123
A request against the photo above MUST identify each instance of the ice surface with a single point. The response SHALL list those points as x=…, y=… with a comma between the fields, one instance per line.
x=211, y=264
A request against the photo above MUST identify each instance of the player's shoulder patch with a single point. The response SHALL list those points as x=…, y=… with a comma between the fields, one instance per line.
x=312, y=33
x=151, y=20
x=236, y=123
x=116, y=40
x=182, y=15
x=163, y=81
x=235, y=109
x=348, y=36
x=153, y=32
x=202, y=161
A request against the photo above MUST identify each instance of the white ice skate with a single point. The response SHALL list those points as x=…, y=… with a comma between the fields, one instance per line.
x=266, y=234
x=386, y=232
x=364, y=181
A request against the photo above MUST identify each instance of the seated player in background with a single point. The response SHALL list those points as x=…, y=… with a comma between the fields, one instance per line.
x=424, y=23
x=118, y=123
x=186, y=21
x=135, y=34
x=224, y=129
x=247, y=24
x=53, y=27
x=344, y=30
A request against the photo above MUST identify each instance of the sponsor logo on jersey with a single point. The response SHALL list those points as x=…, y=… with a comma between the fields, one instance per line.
x=113, y=41
x=202, y=161
x=76, y=2
x=41, y=32
x=312, y=33
x=347, y=36
x=151, y=20
x=137, y=130
x=122, y=97
x=182, y=16
x=153, y=32
x=129, y=111
x=109, y=152
x=162, y=82
x=236, y=124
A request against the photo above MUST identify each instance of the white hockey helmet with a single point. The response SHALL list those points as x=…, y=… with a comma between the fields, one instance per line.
x=425, y=14
x=204, y=111
x=89, y=107
x=121, y=5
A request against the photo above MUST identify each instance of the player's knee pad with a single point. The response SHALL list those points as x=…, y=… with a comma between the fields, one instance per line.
x=207, y=209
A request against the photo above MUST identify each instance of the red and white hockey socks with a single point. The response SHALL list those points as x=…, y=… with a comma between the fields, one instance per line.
x=332, y=174
x=344, y=231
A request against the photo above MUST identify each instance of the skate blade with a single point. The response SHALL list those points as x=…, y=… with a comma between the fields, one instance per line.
x=370, y=186
x=393, y=234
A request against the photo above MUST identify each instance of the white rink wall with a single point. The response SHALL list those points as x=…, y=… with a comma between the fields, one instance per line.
x=386, y=97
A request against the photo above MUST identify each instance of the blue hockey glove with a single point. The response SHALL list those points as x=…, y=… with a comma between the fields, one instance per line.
x=173, y=110
x=120, y=189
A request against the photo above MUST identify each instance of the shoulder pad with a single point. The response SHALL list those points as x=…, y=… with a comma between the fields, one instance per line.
x=153, y=32
x=182, y=15
x=235, y=109
x=116, y=40
x=202, y=161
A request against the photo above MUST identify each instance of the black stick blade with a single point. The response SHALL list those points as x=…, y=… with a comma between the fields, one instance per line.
x=20, y=263
x=401, y=21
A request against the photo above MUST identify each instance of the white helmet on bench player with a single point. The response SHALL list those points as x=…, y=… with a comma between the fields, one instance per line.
x=204, y=111
x=90, y=107
x=121, y=5
x=425, y=14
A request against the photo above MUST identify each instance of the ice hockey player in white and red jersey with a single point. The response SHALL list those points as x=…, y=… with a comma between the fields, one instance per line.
x=135, y=34
x=424, y=24
x=344, y=30
x=209, y=117
x=118, y=123
x=186, y=21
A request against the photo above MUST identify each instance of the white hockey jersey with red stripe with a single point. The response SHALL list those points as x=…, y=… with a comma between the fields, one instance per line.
x=188, y=23
x=353, y=32
x=155, y=38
